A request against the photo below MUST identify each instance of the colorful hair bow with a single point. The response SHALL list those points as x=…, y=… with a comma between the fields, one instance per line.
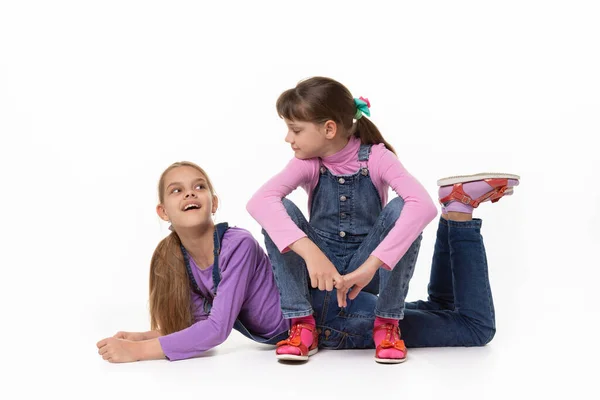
x=362, y=107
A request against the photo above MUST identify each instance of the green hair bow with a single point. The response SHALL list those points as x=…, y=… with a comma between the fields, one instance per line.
x=362, y=107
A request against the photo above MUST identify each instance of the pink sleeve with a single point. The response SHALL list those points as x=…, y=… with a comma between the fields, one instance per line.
x=267, y=208
x=418, y=211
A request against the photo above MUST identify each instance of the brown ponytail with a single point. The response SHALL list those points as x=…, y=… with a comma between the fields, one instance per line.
x=170, y=307
x=368, y=133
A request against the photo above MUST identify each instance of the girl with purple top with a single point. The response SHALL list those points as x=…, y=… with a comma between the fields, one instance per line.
x=205, y=280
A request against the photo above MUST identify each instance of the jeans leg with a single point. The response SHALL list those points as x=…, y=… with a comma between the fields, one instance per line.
x=472, y=322
x=440, y=288
x=290, y=270
x=375, y=236
x=393, y=285
x=351, y=327
x=472, y=290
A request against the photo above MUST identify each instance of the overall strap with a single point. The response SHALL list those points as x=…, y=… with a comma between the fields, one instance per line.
x=188, y=269
x=364, y=152
x=220, y=230
x=216, y=273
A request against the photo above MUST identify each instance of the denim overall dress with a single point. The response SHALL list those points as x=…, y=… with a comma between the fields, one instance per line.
x=347, y=222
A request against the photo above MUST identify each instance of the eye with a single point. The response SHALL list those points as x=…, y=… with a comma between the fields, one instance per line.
x=200, y=186
x=175, y=190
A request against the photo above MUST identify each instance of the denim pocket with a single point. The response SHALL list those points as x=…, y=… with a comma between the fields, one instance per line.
x=330, y=338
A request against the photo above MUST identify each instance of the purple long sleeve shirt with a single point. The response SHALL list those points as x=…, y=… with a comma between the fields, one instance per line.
x=247, y=292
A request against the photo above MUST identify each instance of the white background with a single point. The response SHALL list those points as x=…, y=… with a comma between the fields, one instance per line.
x=97, y=98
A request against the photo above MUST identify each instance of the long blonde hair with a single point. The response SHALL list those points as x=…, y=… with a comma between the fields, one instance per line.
x=170, y=305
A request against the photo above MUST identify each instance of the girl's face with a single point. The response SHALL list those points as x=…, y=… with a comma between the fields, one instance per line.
x=188, y=201
x=308, y=140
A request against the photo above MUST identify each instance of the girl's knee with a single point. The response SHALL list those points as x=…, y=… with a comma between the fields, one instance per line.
x=292, y=210
x=487, y=335
x=482, y=335
x=269, y=244
x=392, y=210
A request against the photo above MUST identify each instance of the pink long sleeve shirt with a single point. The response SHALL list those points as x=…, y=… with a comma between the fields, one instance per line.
x=385, y=171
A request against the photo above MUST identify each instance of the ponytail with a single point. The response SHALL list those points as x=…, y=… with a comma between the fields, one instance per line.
x=368, y=133
x=170, y=305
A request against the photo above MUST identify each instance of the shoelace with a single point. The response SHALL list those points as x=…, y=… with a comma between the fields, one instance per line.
x=392, y=338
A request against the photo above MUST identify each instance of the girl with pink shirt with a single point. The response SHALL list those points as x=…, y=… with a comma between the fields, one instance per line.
x=343, y=275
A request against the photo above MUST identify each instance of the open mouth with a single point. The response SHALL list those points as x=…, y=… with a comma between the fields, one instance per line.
x=191, y=206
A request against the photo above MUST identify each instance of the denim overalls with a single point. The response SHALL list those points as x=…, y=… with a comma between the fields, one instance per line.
x=220, y=230
x=347, y=223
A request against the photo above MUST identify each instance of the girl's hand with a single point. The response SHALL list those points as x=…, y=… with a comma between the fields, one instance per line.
x=357, y=280
x=137, y=336
x=118, y=350
x=322, y=272
x=132, y=336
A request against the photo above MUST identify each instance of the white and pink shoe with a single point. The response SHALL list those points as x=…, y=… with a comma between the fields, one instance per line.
x=465, y=192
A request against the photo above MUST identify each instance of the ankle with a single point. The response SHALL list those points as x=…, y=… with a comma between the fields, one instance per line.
x=457, y=216
x=309, y=320
x=381, y=321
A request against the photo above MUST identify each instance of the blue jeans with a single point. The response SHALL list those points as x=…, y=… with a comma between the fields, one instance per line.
x=459, y=310
x=291, y=275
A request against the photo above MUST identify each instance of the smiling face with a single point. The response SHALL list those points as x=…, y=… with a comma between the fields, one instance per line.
x=187, y=199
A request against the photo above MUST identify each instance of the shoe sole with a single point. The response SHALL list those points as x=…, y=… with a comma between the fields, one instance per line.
x=451, y=180
x=294, y=357
x=390, y=360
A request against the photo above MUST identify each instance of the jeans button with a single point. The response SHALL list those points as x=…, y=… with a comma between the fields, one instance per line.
x=342, y=233
x=343, y=198
x=341, y=181
x=343, y=215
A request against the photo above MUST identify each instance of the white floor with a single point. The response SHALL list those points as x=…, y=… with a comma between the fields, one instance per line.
x=539, y=362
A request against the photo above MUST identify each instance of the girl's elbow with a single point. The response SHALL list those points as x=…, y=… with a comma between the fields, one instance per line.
x=222, y=335
x=251, y=206
x=432, y=212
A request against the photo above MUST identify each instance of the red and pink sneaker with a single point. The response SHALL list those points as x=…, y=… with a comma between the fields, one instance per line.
x=389, y=348
x=302, y=343
x=464, y=193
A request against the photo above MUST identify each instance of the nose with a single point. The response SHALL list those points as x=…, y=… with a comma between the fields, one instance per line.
x=289, y=138
x=190, y=194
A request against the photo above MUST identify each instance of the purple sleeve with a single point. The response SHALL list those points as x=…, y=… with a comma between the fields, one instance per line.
x=236, y=265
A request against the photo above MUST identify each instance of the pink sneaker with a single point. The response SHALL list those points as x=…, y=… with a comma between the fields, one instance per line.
x=389, y=348
x=466, y=192
x=299, y=346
